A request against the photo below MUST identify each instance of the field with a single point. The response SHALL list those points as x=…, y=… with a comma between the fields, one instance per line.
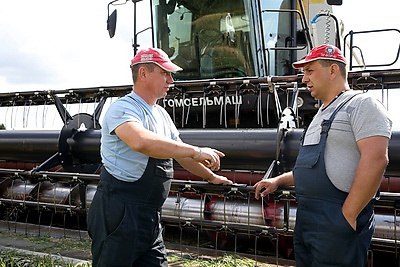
x=20, y=249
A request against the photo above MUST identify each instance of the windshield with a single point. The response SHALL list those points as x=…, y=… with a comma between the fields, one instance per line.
x=208, y=39
x=279, y=35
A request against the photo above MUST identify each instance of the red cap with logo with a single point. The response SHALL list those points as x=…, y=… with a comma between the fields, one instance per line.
x=156, y=56
x=330, y=52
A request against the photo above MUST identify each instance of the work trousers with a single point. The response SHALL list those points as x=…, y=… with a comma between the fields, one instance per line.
x=322, y=235
x=124, y=218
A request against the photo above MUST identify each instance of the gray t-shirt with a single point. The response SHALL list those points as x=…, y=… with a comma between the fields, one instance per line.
x=118, y=158
x=363, y=116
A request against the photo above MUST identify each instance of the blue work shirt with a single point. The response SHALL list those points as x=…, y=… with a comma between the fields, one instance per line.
x=117, y=157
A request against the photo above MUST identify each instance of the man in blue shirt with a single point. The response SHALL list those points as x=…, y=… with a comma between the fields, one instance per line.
x=139, y=141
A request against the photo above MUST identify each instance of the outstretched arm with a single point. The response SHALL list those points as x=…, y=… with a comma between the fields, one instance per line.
x=270, y=185
x=146, y=142
x=200, y=170
x=199, y=165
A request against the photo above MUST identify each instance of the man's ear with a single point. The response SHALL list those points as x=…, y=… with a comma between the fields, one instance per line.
x=334, y=69
x=142, y=72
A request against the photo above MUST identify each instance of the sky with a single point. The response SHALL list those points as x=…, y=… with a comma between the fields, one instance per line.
x=366, y=15
x=49, y=44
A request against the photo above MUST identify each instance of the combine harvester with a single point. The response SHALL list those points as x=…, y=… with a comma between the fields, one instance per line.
x=237, y=93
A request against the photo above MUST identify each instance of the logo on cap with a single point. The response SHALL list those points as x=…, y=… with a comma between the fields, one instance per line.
x=330, y=50
x=146, y=57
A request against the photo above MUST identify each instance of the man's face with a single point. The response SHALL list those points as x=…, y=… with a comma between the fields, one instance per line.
x=159, y=81
x=316, y=77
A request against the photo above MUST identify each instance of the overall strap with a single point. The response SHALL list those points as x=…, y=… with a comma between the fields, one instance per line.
x=326, y=124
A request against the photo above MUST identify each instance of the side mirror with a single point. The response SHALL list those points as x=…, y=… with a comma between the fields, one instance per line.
x=335, y=2
x=112, y=23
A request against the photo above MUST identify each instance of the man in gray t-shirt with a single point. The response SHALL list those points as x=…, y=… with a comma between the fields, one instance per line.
x=360, y=118
x=342, y=158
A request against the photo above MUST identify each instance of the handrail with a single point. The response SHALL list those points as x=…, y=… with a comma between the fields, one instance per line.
x=352, y=33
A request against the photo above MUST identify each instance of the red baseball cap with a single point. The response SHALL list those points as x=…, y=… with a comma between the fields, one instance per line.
x=330, y=52
x=156, y=56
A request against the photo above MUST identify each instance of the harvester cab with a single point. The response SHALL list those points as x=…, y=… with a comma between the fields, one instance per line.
x=234, y=54
x=231, y=39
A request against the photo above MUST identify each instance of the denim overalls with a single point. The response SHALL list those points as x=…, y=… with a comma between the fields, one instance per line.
x=125, y=219
x=322, y=236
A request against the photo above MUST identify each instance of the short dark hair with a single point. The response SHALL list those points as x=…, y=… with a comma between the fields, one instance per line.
x=342, y=66
x=135, y=68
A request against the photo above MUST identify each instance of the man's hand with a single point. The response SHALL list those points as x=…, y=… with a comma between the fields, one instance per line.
x=219, y=179
x=209, y=157
x=350, y=219
x=270, y=186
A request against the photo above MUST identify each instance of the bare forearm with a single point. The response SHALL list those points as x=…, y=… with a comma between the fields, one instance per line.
x=202, y=171
x=146, y=142
x=270, y=185
x=153, y=145
x=366, y=182
x=165, y=148
x=370, y=169
x=286, y=179
x=196, y=168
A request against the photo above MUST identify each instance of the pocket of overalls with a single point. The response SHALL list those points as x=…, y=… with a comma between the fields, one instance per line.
x=335, y=220
x=308, y=156
x=164, y=168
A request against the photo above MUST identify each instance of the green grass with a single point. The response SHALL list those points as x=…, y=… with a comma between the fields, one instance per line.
x=17, y=259
x=43, y=244
x=12, y=258
x=55, y=246
x=227, y=260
